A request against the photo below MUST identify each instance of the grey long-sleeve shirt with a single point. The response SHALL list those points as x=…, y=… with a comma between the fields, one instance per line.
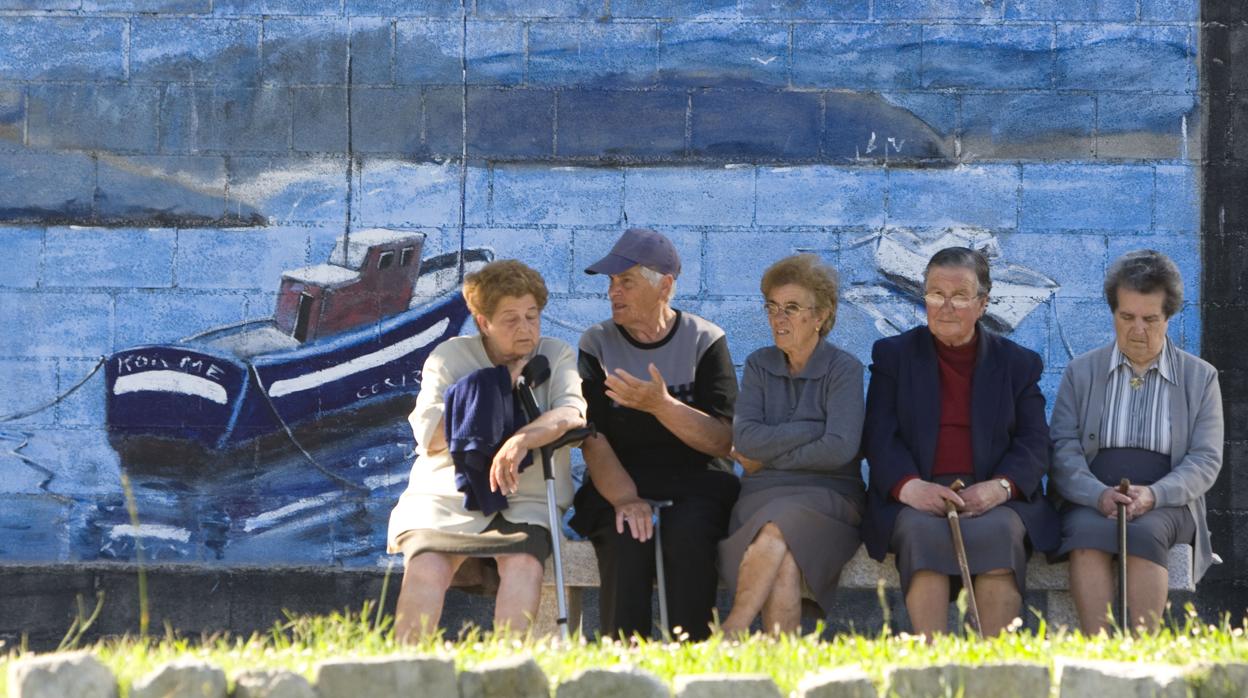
x=806, y=429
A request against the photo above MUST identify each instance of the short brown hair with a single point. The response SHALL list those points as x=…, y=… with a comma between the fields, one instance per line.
x=809, y=272
x=483, y=289
x=1145, y=271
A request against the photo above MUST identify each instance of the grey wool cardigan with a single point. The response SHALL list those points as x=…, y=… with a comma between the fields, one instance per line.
x=1195, y=436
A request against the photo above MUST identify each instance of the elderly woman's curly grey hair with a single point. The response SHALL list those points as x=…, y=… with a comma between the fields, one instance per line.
x=1145, y=271
x=809, y=272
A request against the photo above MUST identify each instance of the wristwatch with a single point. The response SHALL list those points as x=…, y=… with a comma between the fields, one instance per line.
x=1005, y=484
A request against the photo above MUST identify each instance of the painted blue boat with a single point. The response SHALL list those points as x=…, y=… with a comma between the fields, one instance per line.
x=230, y=385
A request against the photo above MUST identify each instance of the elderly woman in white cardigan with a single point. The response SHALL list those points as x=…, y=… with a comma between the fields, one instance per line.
x=440, y=524
x=1143, y=409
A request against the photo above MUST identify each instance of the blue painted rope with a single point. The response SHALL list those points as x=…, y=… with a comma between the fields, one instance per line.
x=22, y=415
x=291, y=435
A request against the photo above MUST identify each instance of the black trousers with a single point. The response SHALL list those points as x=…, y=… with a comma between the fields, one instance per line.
x=692, y=528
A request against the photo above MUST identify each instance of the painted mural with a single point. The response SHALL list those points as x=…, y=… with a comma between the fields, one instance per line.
x=344, y=335
x=233, y=234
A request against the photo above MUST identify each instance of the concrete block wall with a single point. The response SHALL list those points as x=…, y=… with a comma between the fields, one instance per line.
x=161, y=164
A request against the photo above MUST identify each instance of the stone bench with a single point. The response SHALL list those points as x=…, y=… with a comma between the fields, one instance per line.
x=1053, y=580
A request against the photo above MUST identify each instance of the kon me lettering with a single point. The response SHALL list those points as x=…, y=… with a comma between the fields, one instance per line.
x=139, y=362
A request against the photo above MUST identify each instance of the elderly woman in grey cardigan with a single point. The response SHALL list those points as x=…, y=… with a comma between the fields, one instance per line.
x=1143, y=409
x=796, y=433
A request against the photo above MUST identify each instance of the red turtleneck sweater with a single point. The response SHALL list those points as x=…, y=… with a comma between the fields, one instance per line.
x=953, y=443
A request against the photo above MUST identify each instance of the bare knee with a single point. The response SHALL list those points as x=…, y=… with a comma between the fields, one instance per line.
x=770, y=531
x=1144, y=565
x=430, y=570
x=928, y=578
x=788, y=568
x=521, y=567
x=998, y=579
x=1089, y=555
x=770, y=537
x=928, y=583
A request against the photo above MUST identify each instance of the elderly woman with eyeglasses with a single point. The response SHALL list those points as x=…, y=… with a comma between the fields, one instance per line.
x=950, y=400
x=796, y=433
x=1138, y=408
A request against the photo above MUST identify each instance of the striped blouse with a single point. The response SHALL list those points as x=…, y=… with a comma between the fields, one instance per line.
x=1137, y=410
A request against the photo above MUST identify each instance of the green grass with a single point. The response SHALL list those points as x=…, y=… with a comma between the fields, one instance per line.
x=298, y=644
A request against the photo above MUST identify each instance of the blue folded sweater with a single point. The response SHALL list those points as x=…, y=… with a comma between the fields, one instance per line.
x=482, y=411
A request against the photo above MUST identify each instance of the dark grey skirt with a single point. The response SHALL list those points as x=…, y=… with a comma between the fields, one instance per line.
x=995, y=540
x=479, y=573
x=819, y=525
x=1149, y=536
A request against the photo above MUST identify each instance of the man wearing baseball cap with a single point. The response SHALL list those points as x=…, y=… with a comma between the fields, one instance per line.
x=660, y=387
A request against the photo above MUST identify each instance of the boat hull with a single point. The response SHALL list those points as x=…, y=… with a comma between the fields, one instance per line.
x=174, y=391
x=196, y=393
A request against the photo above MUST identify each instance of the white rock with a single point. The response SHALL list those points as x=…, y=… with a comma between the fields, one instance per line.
x=1102, y=679
x=613, y=683
x=517, y=677
x=922, y=682
x=429, y=677
x=726, y=686
x=1224, y=680
x=59, y=675
x=1005, y=680
x=272, y=684
x=842, y=682
x=183, y=678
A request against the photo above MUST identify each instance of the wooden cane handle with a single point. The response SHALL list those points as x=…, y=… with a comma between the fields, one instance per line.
x=950, y=508
x=1124, y=485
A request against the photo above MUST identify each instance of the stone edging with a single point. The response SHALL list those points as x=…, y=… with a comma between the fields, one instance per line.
x=81, y=675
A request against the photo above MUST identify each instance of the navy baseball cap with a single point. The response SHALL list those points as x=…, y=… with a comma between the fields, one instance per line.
x=643, y=246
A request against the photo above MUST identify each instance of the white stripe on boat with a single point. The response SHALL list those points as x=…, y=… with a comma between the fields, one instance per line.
x=272, y=518
x=170, y=382
x=150, y=531
x=380, y=357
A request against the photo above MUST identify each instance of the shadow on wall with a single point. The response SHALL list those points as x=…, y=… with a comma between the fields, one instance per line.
x=170, y=149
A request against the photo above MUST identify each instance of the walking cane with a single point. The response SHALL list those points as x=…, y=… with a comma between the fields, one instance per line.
x=959, y=549
x=536, y=372
x=659, y=575
x=1124, y=486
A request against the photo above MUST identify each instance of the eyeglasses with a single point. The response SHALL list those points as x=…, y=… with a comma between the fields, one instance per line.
x=959, y=301
x=790, y=310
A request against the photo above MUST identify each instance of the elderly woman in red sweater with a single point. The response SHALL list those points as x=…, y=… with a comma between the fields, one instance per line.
x=948, y=401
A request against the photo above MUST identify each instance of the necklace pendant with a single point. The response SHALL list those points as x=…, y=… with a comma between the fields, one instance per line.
x=1136, y=382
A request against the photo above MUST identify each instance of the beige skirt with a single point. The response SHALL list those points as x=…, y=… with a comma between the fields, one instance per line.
x=479, y=573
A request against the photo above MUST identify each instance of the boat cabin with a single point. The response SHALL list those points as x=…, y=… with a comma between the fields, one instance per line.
x=369, y=276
